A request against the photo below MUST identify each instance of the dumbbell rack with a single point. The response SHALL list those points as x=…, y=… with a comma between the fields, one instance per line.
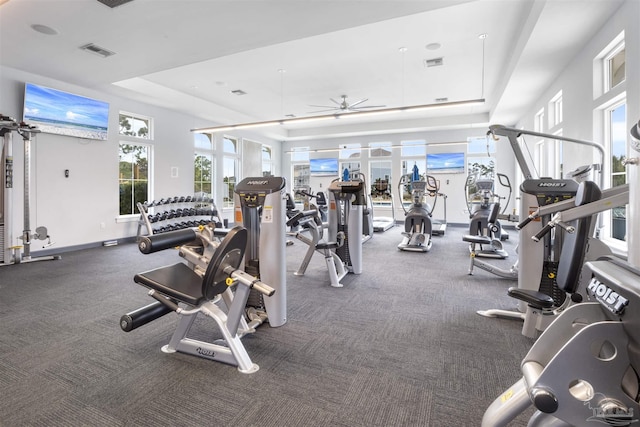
x=176, y=213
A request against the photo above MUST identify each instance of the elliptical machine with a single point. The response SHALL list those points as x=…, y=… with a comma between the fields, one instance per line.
x=481, y=205
x=418, y=227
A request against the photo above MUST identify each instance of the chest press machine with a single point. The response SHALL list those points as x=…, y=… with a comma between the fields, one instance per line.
x=213, y=268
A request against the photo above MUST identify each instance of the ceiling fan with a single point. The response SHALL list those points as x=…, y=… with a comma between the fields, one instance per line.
x=345, y=106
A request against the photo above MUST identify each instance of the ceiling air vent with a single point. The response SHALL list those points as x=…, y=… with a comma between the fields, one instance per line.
x=238, y=92
x=442, y=99
x=435, y=62
x=114, y=3
x=95, y=49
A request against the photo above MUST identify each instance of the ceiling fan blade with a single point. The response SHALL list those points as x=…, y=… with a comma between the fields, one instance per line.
x=322, y=106
x=339, y=104
x=322, y=111
x=357, y=103
x=367, y=106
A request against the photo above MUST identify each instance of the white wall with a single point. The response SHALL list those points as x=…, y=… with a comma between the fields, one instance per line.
x=83, y=208
x=438, y=142
x=581, y=98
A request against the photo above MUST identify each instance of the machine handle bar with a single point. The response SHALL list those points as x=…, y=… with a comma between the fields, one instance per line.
x=524, y=223
x=545, y=230
x=300, y=216
x=250, y=281
x=165, y=301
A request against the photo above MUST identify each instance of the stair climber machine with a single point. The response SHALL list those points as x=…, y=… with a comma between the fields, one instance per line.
x=9, y=253
x=418, y=226
x=347, y=200
x=260, y=206
x=538, y=257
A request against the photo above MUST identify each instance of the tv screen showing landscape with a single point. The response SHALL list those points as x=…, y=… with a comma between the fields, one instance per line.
x=323, y=167
x=445, y=163
x=63, y=113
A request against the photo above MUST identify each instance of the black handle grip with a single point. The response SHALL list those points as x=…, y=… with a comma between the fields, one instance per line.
x=524, y=223
x=171, y=239
x=546, y=229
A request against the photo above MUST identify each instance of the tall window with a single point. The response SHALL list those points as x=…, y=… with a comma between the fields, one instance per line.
x=481, y=164
x=230, y=173
x=380, y=172
x=616, y=120
x=610, y=73
x=203, y=166
x=555, y=109
x=350, y=155
x=413, y=153
x=354, y=169
x=300, y=170
x=538, y=121
x=203, y=174
x=267, y=161
x=134, y=176
x=134, y=159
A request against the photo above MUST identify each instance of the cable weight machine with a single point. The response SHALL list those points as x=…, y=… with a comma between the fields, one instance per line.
x=11, y=254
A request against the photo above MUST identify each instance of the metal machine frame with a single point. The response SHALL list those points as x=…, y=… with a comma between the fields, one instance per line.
x=11, y=254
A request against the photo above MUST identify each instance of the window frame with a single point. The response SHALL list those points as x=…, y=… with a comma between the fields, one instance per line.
x=134, y=214
x=232, y=156
x=148, y=136
x=607, y=63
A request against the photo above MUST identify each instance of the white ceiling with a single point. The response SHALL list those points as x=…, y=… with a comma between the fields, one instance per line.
x=189, y=55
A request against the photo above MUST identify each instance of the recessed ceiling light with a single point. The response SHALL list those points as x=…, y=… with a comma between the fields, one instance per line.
x=402, y=49
x=433, y=46
x=238, y=92
x=43, y=29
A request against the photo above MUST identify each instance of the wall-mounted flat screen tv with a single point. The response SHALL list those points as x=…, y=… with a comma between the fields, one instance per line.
x=63, y=113
x=445, y=163
x=323, y=167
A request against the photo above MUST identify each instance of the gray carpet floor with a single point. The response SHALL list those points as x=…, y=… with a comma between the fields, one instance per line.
x=400, y=345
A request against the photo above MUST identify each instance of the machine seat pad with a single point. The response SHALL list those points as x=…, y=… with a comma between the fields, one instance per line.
x=175, y=281
x=535, y=299
x=327, y=245
x=480, y=240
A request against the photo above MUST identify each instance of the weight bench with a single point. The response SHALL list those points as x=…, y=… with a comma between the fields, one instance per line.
x=200, y=291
